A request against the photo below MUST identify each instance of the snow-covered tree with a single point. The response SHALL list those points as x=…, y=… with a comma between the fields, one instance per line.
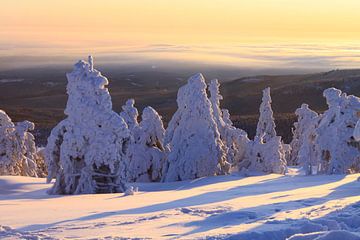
x=302, y=144
x=130, y=114
x=193, y=138
x=18, y=153
x=86, y=151
x=336, y=148
x=266, y=153
x=146, y=153
x=235, y=140
x=266, y=125
x=266, y=157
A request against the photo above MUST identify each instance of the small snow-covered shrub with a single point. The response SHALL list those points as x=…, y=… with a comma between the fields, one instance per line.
x=235, y=139
x=86, y=151
x=303, y=149
x=18, y=153
x=146, y=153
x=195, y=147
x=267, y=157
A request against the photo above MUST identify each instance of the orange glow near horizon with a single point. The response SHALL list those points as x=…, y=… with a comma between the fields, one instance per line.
x=41, y=27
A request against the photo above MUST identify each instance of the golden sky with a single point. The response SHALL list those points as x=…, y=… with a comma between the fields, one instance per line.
x=66, y=26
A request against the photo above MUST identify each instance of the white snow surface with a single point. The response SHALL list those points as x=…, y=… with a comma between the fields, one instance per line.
x=267, y=207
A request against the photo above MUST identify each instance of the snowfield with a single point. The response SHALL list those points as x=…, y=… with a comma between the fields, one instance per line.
x=223, y=207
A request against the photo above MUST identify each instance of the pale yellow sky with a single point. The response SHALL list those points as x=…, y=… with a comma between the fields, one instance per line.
x=68, y=26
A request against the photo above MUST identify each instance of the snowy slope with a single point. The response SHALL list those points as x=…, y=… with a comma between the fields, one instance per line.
x=258, y=207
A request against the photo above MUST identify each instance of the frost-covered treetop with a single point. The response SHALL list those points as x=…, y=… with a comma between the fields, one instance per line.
x=187, y=96
x=151, y=123
x=5, y=120
x=266, y=98
x=130, y=114
x=333, y=97
x=266, y=126
x=305, y=112
x=215, y=98
x=87, y=92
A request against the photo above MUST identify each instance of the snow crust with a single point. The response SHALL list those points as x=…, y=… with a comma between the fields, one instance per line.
x=222, y=207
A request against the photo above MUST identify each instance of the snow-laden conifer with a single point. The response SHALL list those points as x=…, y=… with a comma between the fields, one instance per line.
x=195, y=147
x=86, y=151
x=337, y=150
x=302, y=144
x=146, y=153
x=266, y=153
x=266, y=125
x=235, y=139
x=18, y=153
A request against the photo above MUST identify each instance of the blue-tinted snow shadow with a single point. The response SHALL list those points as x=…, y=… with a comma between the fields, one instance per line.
x=15, y=191
x=248, y=215
x=283, y=183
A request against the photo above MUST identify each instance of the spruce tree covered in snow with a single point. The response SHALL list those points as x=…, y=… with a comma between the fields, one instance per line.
x=86, y=151
x=266, y=153
x=18, y=153
x=146, y=152
x=266, y=125
x=130, y=114
x=337, y=150
x=193, y=138
x=302, y=145
x=235, y=140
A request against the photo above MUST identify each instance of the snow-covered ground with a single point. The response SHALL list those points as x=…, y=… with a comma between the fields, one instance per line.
x=258, y=207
